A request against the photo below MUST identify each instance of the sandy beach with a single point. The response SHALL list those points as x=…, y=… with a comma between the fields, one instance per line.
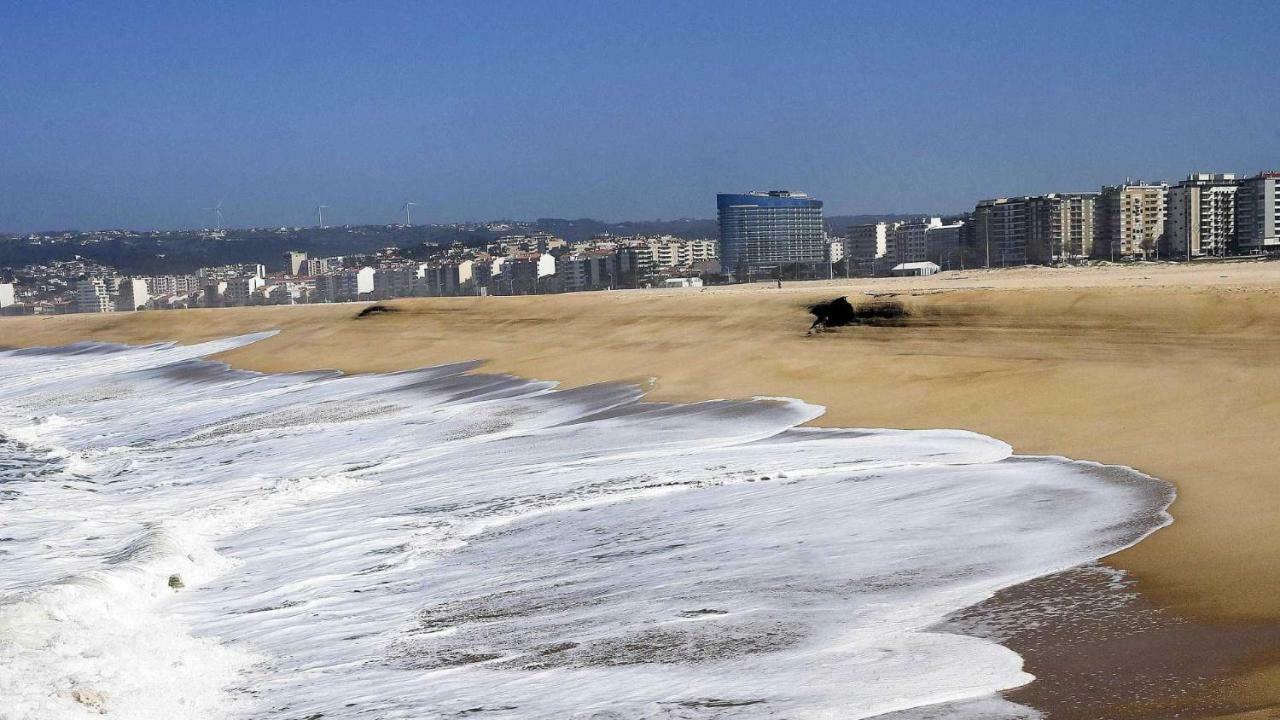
x=1168, y=369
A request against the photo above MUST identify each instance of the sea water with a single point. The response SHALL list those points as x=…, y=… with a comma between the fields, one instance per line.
x=179, y=539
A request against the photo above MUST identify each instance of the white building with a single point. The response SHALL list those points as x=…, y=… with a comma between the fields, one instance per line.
x=133, y=294
x=915, y=269
x=682, y=282
x=1201, y=215
x=92, y=296
x=7, y=296
x=835, y=250
x=295, y=262
x=1258, y=212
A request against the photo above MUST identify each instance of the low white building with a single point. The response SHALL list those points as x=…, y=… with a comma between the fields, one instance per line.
x=909, y=269
x=682, y=282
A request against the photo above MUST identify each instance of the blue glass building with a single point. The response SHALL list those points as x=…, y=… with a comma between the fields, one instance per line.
x=773, y=229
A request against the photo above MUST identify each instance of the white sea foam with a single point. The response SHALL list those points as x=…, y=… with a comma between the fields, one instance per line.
x=439, y=544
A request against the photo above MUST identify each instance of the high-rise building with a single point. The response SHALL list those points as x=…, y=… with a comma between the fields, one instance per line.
x=294, y=262
x=1132, y=220
x=1000, y=232
x=133, y=294
x=402, y=281
x=7, y=296
x=241, y=291
x=1258, y=213
x=773, y=229
x=867, y=243
x=1060, y=227
x=906, y=241
x=1201, y=215
x=92, y=296
x=942, y=244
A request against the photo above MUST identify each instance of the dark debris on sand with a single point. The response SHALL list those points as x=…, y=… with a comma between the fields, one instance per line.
x=840, y=312
x=376, y=310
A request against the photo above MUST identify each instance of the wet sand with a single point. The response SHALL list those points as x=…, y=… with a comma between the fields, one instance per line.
x=1172, y=370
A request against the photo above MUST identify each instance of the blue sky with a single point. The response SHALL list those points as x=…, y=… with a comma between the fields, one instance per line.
x=144, y=114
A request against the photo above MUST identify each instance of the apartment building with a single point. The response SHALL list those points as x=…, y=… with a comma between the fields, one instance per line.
x=1060, y=227
x=1000, y=232
x=133, y=294
x=295, y=262
x=92, y=296
x=1201, y=216
x=344, y=285
x=400, y=281
x=1258, y=213
x=241, y=291
x=1132, y=220
x=907, y=241
x=668, y=252
x=942, y=243
x=584, y=271
x=865, y=244
x=7, y=295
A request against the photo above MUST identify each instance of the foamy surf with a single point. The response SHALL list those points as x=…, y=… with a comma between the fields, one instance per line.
x=435, y=544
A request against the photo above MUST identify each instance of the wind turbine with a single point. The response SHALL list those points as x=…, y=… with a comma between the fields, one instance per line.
x=320, y=214
x=407, y=204
x=217, y=214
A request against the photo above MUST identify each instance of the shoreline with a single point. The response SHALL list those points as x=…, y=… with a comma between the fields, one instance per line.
x=1163, y=369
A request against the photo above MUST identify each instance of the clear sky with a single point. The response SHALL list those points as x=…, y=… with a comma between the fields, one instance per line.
x=143, y=114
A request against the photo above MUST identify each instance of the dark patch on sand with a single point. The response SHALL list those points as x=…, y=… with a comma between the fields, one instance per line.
x=376, y=310
x=839, y=312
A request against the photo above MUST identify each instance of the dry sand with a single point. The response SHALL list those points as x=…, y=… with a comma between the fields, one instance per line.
x=1172, y=370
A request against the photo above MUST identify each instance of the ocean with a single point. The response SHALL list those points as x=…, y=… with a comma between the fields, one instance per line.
x=179, y=539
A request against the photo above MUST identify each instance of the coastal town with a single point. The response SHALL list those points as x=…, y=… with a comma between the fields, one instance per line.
x=763, y=235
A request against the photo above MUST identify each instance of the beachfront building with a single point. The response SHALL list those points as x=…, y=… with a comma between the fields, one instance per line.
x=907, y=241
x=942, y=244
x=778, y=231
x=1131, y=222
x=864, y=244
x=1201, y=215
x=1060, y=227
x=1000, y=232
x=92, y=296
x=1258, y=213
